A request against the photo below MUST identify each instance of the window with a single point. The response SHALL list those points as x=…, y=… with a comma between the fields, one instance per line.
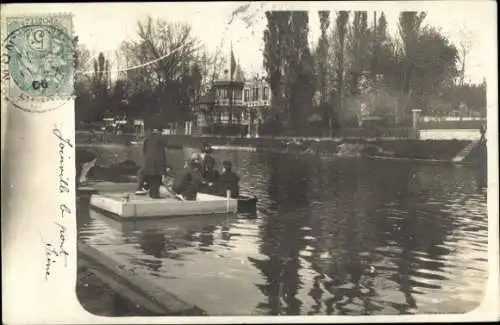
x=265, y=95
x=237, y=94
x=247, y=95
x=255, y=94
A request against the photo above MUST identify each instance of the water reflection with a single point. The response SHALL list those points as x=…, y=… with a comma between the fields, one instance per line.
x=339, y=236
x=152, y=245
x=282, y=238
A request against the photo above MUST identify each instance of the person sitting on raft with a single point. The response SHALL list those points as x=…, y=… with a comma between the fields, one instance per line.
x=187, y=183
x=228, y=181
x=208, y=164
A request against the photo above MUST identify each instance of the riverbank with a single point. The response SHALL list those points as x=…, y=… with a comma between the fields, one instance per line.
x=98, y=298
x=432, y=151
x=106, y=287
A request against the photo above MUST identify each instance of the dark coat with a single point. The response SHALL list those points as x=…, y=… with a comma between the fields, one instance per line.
x=209, y=172
x=228, y=181
x=187, y=183
x=155, y=157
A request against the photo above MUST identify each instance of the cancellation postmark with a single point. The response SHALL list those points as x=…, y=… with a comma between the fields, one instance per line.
x=38, y=61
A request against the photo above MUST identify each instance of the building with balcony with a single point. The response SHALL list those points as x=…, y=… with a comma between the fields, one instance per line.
x=249, y=104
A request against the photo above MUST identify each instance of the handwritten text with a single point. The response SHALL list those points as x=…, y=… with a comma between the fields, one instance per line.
x=52, y=252
x=56, y=251
x=63, y=143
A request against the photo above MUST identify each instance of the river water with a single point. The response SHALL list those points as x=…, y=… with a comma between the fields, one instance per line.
x=331, y=237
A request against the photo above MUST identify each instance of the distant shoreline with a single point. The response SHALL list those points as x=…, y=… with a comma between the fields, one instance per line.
x=431, y=151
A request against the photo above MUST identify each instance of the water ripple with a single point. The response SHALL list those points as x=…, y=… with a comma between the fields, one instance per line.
x=332, y=236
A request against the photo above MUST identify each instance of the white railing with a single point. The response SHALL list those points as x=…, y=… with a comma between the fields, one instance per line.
x=257, y=103
x=225, y=102
x=451, y=118
x=450, y=134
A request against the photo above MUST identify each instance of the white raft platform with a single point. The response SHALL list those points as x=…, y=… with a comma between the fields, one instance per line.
x=127, y=205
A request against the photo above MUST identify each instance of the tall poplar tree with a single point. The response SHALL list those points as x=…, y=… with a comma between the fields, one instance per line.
x=341, y=32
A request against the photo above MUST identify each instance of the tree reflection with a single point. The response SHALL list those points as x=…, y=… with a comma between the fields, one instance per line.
x=419, y=229
x=152, y=243
x=281, y=237
x=383, y=209
x=207, y=237
x=375, y=228
x=481, y=179
x=352, y=231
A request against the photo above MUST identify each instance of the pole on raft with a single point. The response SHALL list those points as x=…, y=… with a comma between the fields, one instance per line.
x=228, y=198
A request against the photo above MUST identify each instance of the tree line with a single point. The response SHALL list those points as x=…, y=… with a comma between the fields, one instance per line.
x=158, y=77
x=354, y=69
x=357, y=65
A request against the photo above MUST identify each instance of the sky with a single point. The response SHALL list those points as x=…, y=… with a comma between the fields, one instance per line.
x=104, y=26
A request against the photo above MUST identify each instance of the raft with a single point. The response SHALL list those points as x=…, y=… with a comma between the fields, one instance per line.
x=168, y=226
x=127, y=205
x=246, y=203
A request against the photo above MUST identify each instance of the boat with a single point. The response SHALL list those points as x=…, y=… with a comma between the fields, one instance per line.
x=127, y=205
x=247, y=203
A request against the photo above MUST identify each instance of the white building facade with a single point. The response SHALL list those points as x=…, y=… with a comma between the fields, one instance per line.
x=250, y=103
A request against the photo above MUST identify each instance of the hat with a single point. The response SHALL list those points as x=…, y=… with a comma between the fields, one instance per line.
x=207, y=147
x=227, y=164
x=195, y=157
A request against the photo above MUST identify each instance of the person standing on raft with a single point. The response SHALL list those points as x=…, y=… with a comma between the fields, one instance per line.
x=155, y=162
x=208, y=163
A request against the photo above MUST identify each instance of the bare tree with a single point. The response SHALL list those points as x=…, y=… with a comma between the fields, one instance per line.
x=465, y=45
x=165, y=55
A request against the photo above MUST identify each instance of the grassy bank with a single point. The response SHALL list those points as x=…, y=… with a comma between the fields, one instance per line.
x=399, y=148
x=436, y=150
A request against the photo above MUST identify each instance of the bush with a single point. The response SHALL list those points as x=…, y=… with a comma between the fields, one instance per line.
x=272, y=127
x=376, y=132
x=226, y=129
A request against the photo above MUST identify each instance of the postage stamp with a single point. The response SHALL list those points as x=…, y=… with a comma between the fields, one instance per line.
x=38, y=59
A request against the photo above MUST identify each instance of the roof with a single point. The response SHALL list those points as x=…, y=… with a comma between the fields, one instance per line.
x=239, y=75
